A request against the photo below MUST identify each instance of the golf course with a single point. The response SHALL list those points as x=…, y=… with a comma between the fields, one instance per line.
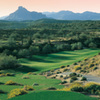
x=41, y=63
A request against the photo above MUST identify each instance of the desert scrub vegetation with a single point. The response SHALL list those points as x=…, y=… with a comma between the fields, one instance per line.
x=73, y=87
x=51, y=88
x=88, y=65
x=62, y=66
x=10, y=74
x=6, y=74
x=88, y=88
x=77, y=68
x=83, y=79
x=25, y=77
x=12, y=83
x=16, y=92
x=72, y=74
x=31, y=73
x=92, y=88
x=28, y=88
x=2, y=75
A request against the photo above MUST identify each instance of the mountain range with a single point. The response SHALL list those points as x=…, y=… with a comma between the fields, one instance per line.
x=69, y=15
x=23, y=14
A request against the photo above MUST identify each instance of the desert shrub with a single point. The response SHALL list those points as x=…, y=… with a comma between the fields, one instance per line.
x=92, y=88
x=8, y=62
x=51, y=88
x=66, y=77
x=63, y=82
x=25, y=77
x=62, y=66
x=68, y=65
x=95, y=68
x=31, y=73
x=12, y=83
x=28, y=88
x=1, y=75
x=77, y=68
x=84, y=71
x=61, y=76
x=49, y=74
x=79, y=61
x=79, y=75
x=16, y=92
x=85, y=59
x=71, y=80
x=84, y=79
x=53, y=77
x=81, y=64
x=65, y=70
x=35, y=84
x=77, y=87
x=10, y=74
x=91, y=65
x=74, y=78
x=52, y=70
x=75, y=63
x=85, y=67
x=58, y=72
x=72, y=74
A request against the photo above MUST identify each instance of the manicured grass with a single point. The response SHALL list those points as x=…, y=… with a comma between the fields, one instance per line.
x=43, y=63
x=41, y=80
x=55, y=60
x=54, y=95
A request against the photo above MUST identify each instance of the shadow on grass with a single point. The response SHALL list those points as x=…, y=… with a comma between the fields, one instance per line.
x=59, y=57
x=50, y=59
x=26, y=69
x=40, y=60
x=1, y=83
x=68, y=53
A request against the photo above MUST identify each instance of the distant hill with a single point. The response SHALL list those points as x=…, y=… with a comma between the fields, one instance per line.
x=23, y=14
x=69, y=15
x=47, y=20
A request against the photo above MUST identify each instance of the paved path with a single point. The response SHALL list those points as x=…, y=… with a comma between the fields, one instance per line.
x=90, y=78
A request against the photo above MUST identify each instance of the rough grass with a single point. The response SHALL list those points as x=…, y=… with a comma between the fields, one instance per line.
x=54, y=95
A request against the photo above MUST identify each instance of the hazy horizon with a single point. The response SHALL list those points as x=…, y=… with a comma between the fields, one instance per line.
x=77, y=6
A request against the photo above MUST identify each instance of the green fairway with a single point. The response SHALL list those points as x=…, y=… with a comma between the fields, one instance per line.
x=55, y=60
x=43, y=63
x=54, y=95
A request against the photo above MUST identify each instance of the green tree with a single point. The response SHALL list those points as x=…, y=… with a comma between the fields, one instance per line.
x=8, y=62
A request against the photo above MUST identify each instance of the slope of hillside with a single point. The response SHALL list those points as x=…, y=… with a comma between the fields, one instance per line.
x=88, y=66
